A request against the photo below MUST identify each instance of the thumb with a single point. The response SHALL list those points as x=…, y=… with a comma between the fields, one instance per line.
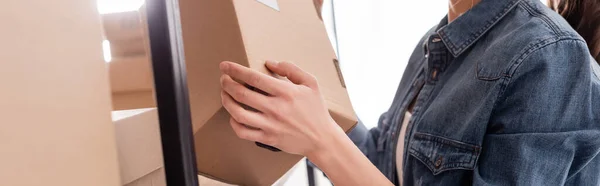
x=293, y=73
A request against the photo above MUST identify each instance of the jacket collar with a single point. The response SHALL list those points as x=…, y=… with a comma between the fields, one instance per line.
x=465, y=30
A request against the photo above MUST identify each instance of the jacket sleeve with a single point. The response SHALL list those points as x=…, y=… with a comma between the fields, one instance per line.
x=365, y=140
x=545, y=126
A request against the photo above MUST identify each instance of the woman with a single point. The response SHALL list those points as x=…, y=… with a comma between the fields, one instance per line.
x=584, y=16
x=500, y=92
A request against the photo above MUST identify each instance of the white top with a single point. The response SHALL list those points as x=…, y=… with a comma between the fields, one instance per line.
x=400, y=146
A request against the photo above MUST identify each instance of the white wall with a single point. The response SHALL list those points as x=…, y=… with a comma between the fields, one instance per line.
x=375, y=40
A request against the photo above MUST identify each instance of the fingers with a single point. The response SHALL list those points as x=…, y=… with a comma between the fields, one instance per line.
x=246, y=133
x=244, y=95
x=293, y=73
x=241, y=115
x=256, y=79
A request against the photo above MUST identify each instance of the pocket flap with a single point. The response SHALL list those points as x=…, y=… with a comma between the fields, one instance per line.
x=440, y=154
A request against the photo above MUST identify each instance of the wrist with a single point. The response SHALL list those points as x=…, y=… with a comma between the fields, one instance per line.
x=326, y=146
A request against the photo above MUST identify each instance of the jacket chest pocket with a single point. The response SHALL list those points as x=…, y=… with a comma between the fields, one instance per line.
x=440, y=154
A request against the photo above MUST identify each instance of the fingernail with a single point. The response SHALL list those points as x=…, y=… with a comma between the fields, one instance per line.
x=269, y=62
x=224, y=66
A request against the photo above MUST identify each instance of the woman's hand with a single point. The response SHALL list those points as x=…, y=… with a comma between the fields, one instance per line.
x=292, y=116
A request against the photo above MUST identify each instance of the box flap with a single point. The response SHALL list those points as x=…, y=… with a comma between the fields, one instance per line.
x=138, y=143
x=223, y=156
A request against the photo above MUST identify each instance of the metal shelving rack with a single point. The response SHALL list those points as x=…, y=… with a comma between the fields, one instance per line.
x=168, y=65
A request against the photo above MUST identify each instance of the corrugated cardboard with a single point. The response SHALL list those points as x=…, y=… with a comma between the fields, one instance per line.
x=130, y=69
x=250, y=32
x=55, y=127
x=155, y=178
x=132, y=83
x=123, y=25
x=127, y=33
x=138, y=143
x=139, y=149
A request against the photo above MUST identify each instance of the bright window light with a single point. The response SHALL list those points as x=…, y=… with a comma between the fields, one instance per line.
x=106, y=51
x=114, y=6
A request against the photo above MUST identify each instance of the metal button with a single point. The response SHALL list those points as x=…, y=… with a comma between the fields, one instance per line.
x=435, y=40
x=434, y=73
x=438, y=162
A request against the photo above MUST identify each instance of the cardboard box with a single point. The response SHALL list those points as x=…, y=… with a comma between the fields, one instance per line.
x=130, y=71
x=155, y=178
x=250, y=32
x=139, y=149
x=55, y=127
x=132, y=83
x=127, y=32
x=138, y=145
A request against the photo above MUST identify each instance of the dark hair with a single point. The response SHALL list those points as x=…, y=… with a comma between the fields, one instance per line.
x=584, y=17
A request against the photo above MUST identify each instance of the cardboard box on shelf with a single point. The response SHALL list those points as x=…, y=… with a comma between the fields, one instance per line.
x=154, y=178
x=139, y=149
x=130, y=69
x=127, y=33
x=248, y=32
x=138, y=145
x=125, y=26
x=55, y=129
x=132, y=83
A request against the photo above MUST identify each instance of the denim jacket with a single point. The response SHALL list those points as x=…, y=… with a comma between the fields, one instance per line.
x=506, y=94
